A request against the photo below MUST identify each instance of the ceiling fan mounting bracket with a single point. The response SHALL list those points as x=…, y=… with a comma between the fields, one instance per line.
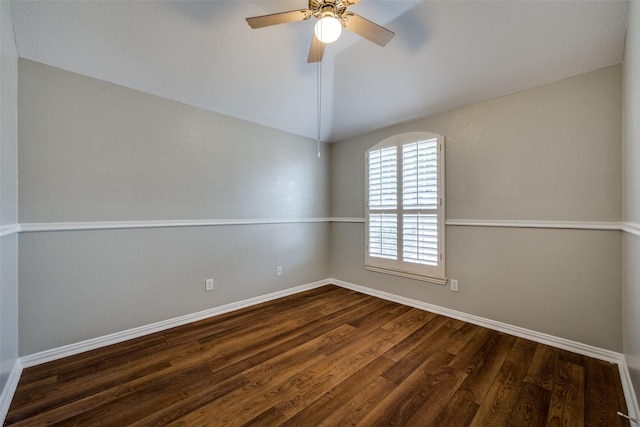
x=319, y=8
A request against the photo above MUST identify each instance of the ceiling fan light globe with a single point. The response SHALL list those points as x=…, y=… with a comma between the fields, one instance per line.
x=328, y=29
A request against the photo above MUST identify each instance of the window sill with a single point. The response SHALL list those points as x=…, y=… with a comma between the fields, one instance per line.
x=437, y=280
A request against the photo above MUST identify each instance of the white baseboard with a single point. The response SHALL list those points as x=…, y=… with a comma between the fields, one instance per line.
x=9, y=390
x=562, y=343
x=565, y=344
x=91, y=344
x=629, y=392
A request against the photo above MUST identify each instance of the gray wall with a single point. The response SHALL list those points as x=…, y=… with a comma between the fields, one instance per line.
x=552, y=153
x=631, y=291
x=8, y=196
x=93, y=151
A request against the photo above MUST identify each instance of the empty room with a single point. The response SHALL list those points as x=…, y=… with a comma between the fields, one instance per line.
x=320, y=212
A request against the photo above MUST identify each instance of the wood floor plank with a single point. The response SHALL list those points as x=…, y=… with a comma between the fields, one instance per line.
x=412, y=360
x=323, y=408
x=421, y=334
x=400, y=405
x=472, y=355
x=442, y=384
x=126, y=410
x=228, y=355
x=260, y=372
x=483, y=363
x=175, y=409
x=501, y=397
x=271, y=417
x=341, y=364
x=82, y=360
x=359, y=404
x=54, y=394
x=567, y=396
x=459, y=411
x=461, y=338
x=543, y=366
x=532, y=406
x=265, y=376
x=363, y=308
x=245, y=403
x=328, y=356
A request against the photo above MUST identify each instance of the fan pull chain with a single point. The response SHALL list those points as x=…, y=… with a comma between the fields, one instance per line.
x=319, y=100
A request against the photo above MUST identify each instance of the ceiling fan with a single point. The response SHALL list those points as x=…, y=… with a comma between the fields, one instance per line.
x=332, y=15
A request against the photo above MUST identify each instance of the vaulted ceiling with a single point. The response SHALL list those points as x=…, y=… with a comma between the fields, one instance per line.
x=445, y=55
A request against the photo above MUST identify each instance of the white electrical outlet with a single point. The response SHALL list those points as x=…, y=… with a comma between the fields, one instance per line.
x=454, y=285
x=279, y=270
x=208, y=285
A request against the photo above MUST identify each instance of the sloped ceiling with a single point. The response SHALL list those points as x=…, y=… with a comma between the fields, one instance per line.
x=446, y=54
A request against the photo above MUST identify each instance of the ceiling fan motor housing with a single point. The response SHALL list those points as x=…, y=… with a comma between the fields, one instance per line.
x=322, y=8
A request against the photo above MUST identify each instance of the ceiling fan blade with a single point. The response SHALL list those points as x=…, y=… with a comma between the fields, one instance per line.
x=279, y=18
x=316, y=51
x=367, y=29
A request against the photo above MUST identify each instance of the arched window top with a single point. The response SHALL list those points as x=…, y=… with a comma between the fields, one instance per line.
x=406, y=137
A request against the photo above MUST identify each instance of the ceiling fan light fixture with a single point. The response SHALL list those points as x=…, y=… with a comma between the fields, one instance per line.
x=328, y=29
x=332, y=15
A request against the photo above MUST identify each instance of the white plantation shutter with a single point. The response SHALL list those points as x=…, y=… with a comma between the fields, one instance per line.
x=383, y=177
x=383, y=236
x=383, y=204
x=420, y=175
x=420, y=239
x=405, y=207
x=420, y=202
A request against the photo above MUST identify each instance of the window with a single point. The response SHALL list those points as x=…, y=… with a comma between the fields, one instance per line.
x=405, y=206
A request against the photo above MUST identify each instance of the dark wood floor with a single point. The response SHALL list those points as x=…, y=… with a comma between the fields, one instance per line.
x=329, y=356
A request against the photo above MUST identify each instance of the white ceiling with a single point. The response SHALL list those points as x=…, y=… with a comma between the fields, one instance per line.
x=445, y=55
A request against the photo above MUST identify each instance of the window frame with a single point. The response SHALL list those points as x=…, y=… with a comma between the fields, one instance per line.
x=429, y=273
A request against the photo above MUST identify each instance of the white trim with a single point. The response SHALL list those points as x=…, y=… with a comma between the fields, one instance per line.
x=345, y=219
x=632, y=228
x=114, y=225
x=627, y=388
x=6, y=230
x=9, y=389
x=110, y=225
x=562, y=343
x=9, y=229
x=576, y=225
x=437, y=280
x=103, y=341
